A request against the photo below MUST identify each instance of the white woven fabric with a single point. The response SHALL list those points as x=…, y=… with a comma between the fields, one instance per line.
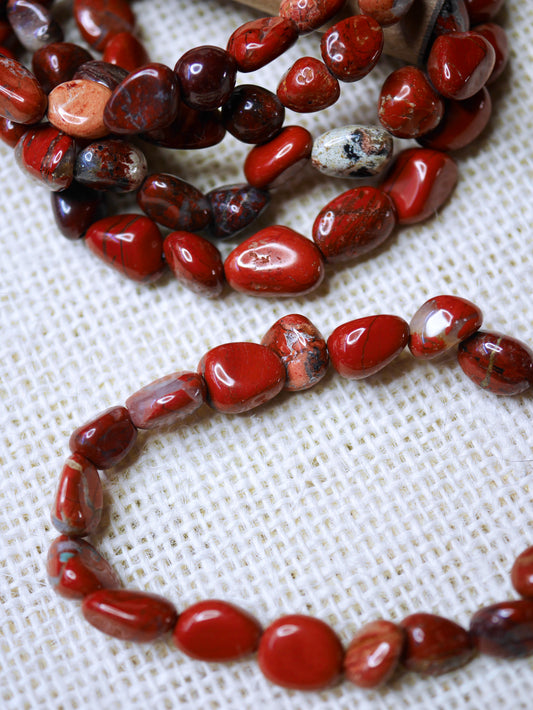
x=355, y=500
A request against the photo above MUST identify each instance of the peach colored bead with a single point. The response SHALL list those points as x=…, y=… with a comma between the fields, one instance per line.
x=374, y=654
x=77, y=108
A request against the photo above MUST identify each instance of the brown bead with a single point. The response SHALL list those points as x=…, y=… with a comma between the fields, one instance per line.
x=21, y=97
x=374, y=654
x=253, y=114
x=504, y=630
x=105, y=439
x=522, y=573
x=176, y=204
x=57, y=63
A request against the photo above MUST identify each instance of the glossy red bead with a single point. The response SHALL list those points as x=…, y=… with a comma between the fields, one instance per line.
x=235, y=207
x=11, y=132
x=21, y=97
x=274, y=163
x=57, y=63
x=129, y=615
x=174, y=203
x=214, y=630
x=483, y=10
x=253, y=114
x=497, y=36
x=195, y=262
x=106, y=438
x=522, y=573
x=99, y=20
x=257, y=43
x=351, y=48
x=126, y=51
x=241, y=376
x=276, y=261
x=308, y=86
x=78, y=502
x=362, y=347
x=309, y=15
x=386, y=12
x=419, y=183
x=206, y=77
x=76, y=209
x=504, y=630
x=191, y=130
x=374, y=653
x=300, y=652
x=354, y=223
x=47, y=155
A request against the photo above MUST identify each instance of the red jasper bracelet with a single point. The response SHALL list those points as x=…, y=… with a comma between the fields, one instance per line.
x=295, y=651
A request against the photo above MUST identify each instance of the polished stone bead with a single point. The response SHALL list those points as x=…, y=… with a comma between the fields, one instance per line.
x=386, y=12
x=105, y=73
x=166, y=400
x=504, y=630
x=308, y=86
x=130, y=243
x=206, y=77
x=309, y=15
x=374, y=653
x=354, y=223
x=351, y=48
x=195, y=262
x=257, y=43
x=276, y=261
x=453, y=17
x=440, y=323
x=497, y=36
x=145, y=100
x=78, y=502
x=174, y=203
x=22, y=99
x=302, y=350
x=33, y=24
x=47, y=155
x=497, y=363
x=419, y=183
x=75, y=568
x=460, y=64
x=364, y=346
x=482, y=10
x=114, y=165
x=522, y=573
x=241, y=376
x=99, y=20
x=253, y=114
x=214, y=630
x=57, y=63
x=77, y=108
x=352, y=151
x=11, y=132
x=192, y=130
x=234, y=207
x=76, y=209
x=408, y=105
x=126, y=51
x=106, y=438
x=274, y=163
x=129, y=615
x=300, y=652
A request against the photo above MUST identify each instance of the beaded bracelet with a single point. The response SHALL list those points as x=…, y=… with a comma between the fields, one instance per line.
x=295, y=651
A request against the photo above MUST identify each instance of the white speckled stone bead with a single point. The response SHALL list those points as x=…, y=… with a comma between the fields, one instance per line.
x=352, y=151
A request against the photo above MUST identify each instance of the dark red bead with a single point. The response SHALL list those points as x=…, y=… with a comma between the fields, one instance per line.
x=522, y=573
x=57, y=63
x=191, y=130
x=309, y=15
x=126, y=51
x=453, y=17
x=257, y=43
x=109, y=75
x=47, y=155
x=482, y=10
x=11, y=132
x=114, y=165
x=386, y=12
x=308, y=86
x=21, y=97
x=174, y=203
x=78, y=503
x=99, y=20
x=234, y=207
x=195, y=262
x=76, y=209
x=374, y=653
x=352, y=47
x=253, y=114
x=33, y=24
x=497, y=36
x=106, y=438
x=272, y=164
x=6, y=52
x=206, y=77
x=504, y=630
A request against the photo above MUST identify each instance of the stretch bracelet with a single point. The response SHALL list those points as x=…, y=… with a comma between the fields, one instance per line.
x=295, y=651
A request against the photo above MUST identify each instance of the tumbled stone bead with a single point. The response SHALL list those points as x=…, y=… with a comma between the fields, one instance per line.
x=130, y=243
x=106, y=438
x=374, y=653
x=105, y=73
x=364, y=346
x=497, y=36
x=354, y=223
x=75, y=568
x=274, y=163
x=309, y=15
x=206, y=77
x=300, y=652
x=482, y=10
x=126, y=51
x=166, y=400
x=241, y=376
x=498, y=363
x=99, y=20
x=11, y=132
x=57, y=63
x=419, y=183
x=351, y=48
x=386, y=12
x=76, y=209
x=47, y=155
x=78, y=502
x=129, y=615
x=191, y=130
x=195, y=262
x=435, y=645
x=234, y=207
x=114, y=165
x=522, y=573
x=308, y=86
x=174, y=203
x=253, y=114
x=33, y=24
x=276, y=261
x=440, y=323
x=77, y=108
x=146, y=99
x=214, y=630
x=408, y=105
x=22, y=99
x=352, y=151
x=302, y=350
x=257, y=43
x=504, y=630
x=453, y=17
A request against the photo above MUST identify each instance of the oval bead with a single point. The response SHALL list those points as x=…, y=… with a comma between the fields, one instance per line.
x=129, y=615
x=354, y=223
x=300, y=652
x=195, y=262
x=522, y=573
x=57, y=63
x=504, y=630
x=364, y=346
x=77, y=108
x=307, y=86
x=47, y=155
x=106, y=438
x=241, y=376
x=276, y=261
x=214, y=630
x=114, y=165
x=274, y=163
x=234, y=207
x=99, y=20
x=352, y=151
x=100, y=72
x=78, y=502
x=309, y=15
x=374, y=653
x=253, y=114
x=174, y=203
x=22, y=99
x=351, y=48
x=386, y=12
x=33, y=24
x=257, y=43
x=76, y=209
x=206, y=77
x=126, y=51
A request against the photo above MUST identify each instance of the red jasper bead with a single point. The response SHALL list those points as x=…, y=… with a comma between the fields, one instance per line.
x=11, y=132
x=354, y=223
x=300, y=652
x=435, y=645
x=386, y=12
x=504, y=630
x=522, y=573
x=125, y=50
x=419, y=183
x=106, y=438
x=104, y=73
x=364, y=346
x=308, y=86
x=272, y=164
x=497, y=363
x=206, y=77
x=174, y=203
x=76, y=209
x=130, y=243
x=21, y=97
x=57, y=63
x=460, y=63
x=408, y=105
x=78, y=503
x=482, y=10
x=214, y=630
x=114, y=165
x=33, y=24
x=276, y=261
x=76, y=569
x=195, y=262
x=129, y=615
x=309, y=15
x=77, y=108
x=374, y=653
x=47, y=155
x=234, y=207
x=191, y=130
x=99, y=20
x=352, y=47
x=241, y=376
x=497, y=36
x=257, y=43
x=253, y=114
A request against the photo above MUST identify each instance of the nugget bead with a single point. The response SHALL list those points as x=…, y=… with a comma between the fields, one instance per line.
x=174, y=203
x=47, y=155
x=33, y=24
x=22, y=99
x=504, y=630
x=77, y=108
x=307, y=86
x=125, y=50
x=99, y=20
x=57, y=63
x=195, y=262
x=257, y=43
x=374, y=653
x=114, y=165
x=206, y=77
x=309, y=15
x=274, y=163
x=76, y=209
x=106, y=438
x=522, y=573
x=78, y=503
x=352, y=47
x=253, y=114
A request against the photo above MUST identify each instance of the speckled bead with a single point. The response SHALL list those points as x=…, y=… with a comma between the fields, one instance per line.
x=114, y=165
x=522, y=573
x=22, y=99
x=374, y=654
x=352, y=47
x=57, y=63
x=257, y=43
x=234, y=207
x=99, y=20
x=308, y=86
x=77, y=108
x=78, y=502
x=174, y=203
x=309, y=15
x=33, y=24
x=504, y=630
x=106, y=438
x=47, y=155
x=274, y=163
x=195, y=262
x=352, y=151
x=386, y=12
